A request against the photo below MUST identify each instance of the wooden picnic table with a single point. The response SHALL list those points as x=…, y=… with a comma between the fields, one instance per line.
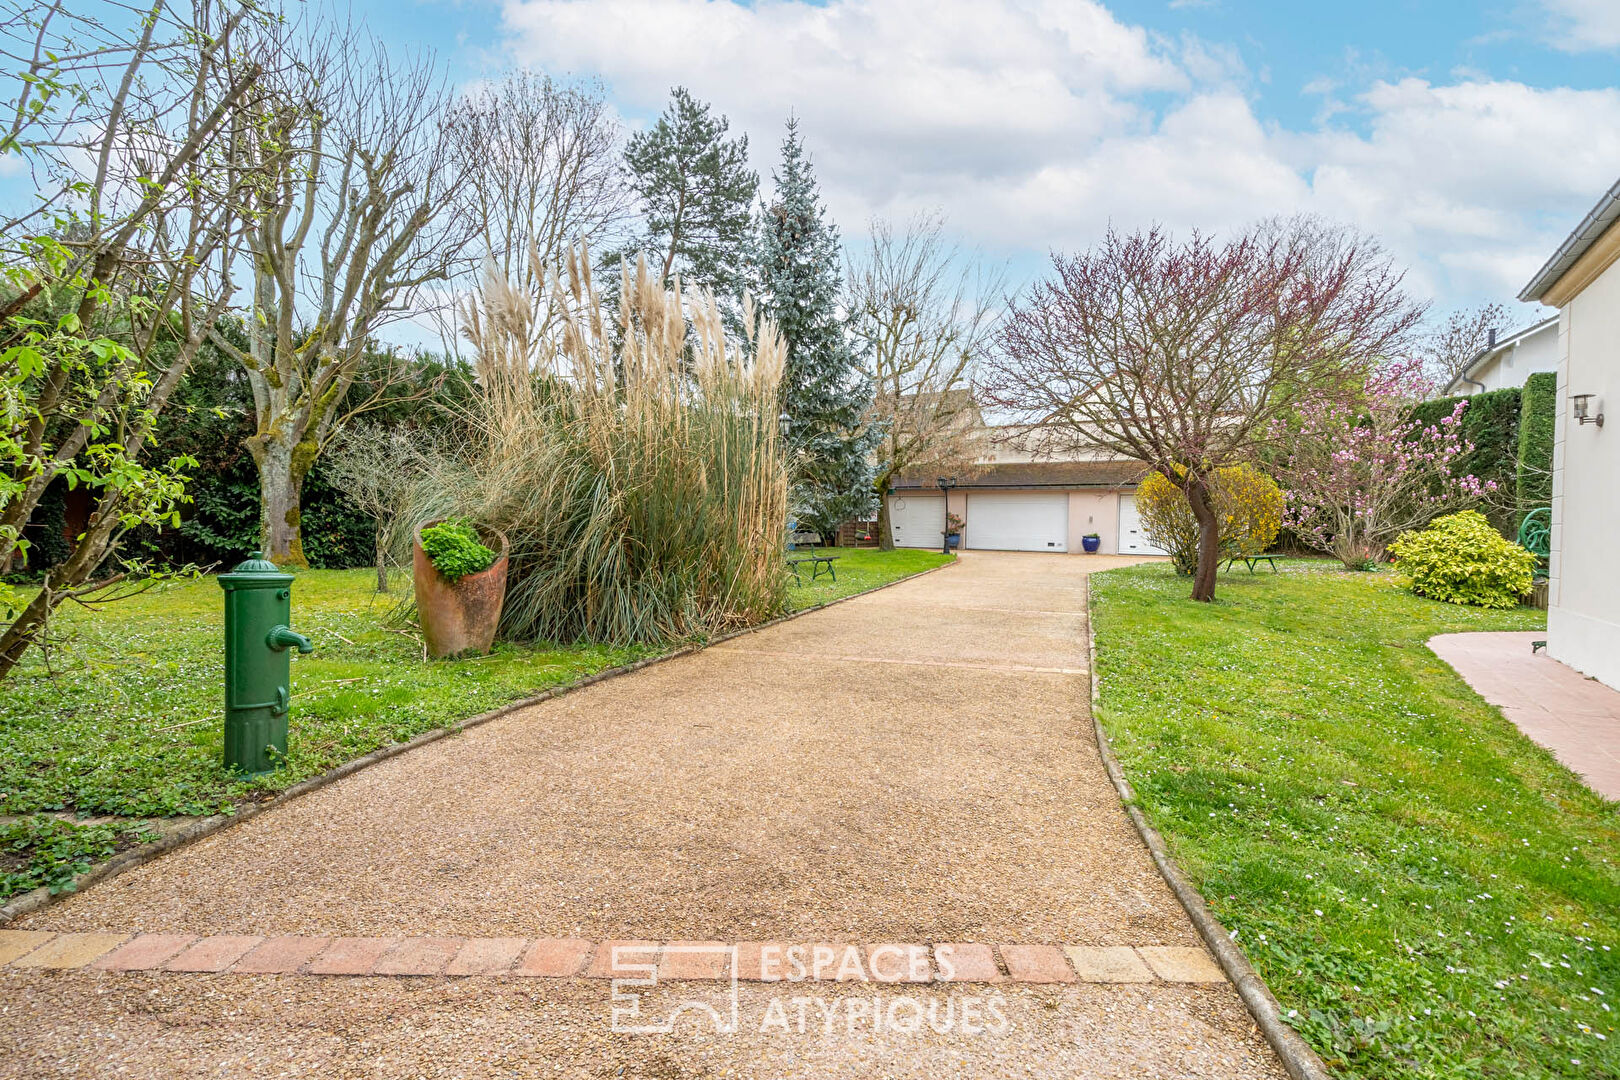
x=819, y=564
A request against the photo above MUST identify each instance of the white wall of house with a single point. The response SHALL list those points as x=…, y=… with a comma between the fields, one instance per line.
x=1514, y=362
x=1583, y=616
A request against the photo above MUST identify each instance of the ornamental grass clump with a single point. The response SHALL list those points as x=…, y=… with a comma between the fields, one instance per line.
x=634, y=464
x=1462, y=559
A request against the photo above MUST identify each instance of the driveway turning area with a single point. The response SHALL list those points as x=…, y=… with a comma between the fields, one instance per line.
x=910, y=771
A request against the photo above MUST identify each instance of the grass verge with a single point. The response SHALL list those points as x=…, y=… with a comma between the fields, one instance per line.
x=123, y=724
x=1428, y=893
x=859, y=570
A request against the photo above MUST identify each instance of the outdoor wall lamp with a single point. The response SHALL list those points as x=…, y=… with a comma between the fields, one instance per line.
x=1583, y=410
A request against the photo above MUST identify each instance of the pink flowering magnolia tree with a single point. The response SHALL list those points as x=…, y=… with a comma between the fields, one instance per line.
x=1360, y=471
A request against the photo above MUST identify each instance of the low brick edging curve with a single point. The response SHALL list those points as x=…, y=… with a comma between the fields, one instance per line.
x=42, y=897
x=1296, y=1054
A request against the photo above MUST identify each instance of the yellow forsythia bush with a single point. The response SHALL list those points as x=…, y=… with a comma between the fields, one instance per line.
x=1251, y=507
x=1248, y=503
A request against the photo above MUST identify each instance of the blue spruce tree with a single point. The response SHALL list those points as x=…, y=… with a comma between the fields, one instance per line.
x=826, y=393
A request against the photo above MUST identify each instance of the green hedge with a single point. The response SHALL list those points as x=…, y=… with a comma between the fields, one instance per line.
x=1491, y=423
x=1537, y=416
x=209, y=418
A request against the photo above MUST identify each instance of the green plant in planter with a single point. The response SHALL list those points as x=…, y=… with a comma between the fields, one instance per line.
x=455, y=550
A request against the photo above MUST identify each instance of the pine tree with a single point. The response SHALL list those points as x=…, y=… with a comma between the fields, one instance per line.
x=697, y=195
x=826, y=394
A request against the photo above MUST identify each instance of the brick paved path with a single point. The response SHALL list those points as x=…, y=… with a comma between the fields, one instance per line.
x=558, y=958
x=1575, y=717
x=911, y=773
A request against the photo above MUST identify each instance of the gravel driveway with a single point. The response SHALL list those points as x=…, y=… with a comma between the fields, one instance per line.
x=914, y=765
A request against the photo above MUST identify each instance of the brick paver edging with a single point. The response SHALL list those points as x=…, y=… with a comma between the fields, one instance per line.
x=43, y=897
x=1296, y=1054
x=563, y=958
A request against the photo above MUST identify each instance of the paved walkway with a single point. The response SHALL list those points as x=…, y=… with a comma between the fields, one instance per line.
x=1575, y=717
x=902, y=792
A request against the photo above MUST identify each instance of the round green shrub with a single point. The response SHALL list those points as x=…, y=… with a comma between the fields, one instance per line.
x=455, y=550
x=1462, y=559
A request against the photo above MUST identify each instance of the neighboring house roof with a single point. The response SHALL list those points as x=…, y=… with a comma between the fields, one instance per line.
x=1579, y=242
x=959, y=400
x=1491, y=352
x=1037, y=474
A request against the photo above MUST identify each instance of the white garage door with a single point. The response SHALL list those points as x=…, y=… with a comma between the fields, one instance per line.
x=1132, y=540
x=917, y=520
x=1012, y=521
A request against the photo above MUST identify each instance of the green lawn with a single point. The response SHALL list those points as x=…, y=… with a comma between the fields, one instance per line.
x=125, y=721
x=1428, y=893
x=860, y=569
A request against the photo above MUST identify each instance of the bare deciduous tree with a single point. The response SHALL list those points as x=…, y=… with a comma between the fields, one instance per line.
x=1184, y=355
x=351, y=224
x=540, y=170
x=925, y=318
x=1448, y=349
x=377, y=467
x=116, y=273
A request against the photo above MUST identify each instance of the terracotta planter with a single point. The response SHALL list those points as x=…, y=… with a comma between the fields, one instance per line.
x=460, y=616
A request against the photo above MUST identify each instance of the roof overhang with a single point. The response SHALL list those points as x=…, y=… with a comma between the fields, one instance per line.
x=1502, y=346
x=1592, y=248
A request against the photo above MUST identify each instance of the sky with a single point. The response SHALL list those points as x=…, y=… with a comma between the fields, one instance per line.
x=1469, y=135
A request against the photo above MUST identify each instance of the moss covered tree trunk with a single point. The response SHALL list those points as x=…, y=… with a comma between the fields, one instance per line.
x=885, y=527
x=283, y=465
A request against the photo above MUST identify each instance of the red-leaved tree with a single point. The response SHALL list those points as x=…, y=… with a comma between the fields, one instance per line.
x=1185, y=355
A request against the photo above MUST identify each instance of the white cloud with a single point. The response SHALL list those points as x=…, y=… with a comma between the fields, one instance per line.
x=1584, y=25
x=1475, y=183
x=1036, y=123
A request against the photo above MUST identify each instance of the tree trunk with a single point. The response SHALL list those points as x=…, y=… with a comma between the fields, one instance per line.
x=382, y=561
x=885, y=529
x=25, y=628
x=1209, y=538
x=281, y=491
x=98, y=539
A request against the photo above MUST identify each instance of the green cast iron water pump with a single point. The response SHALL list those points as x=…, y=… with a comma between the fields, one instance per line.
x=258, y=666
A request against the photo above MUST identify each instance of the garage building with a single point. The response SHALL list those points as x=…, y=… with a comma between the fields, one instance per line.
x=1027, y=506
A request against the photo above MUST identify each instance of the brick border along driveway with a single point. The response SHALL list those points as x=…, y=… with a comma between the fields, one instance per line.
x=574, y=958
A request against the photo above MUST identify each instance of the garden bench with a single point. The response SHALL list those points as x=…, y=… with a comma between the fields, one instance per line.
x=819, y=564
x=1250, y=560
